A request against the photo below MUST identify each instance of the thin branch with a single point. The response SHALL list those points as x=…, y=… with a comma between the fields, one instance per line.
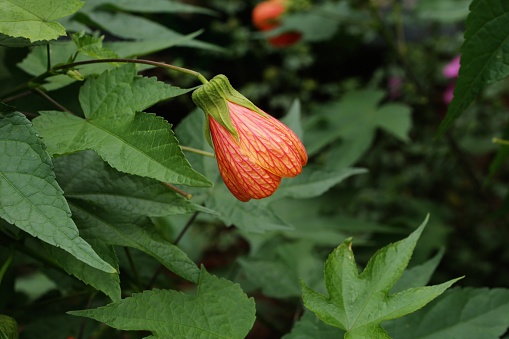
x=186, y=228
x=197, y=151
x=176, y=242
x=178, y=190
x=50, y=99
x=48, y=53
x=84, y=320
x=16, y=96
x=133, y=267
x=394, y=46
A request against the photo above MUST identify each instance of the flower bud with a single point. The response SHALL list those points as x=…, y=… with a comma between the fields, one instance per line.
x=253, y=149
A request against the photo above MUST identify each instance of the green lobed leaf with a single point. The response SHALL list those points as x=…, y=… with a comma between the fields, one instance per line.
x=85, y=176
x=354, y=119
x=292, y=119
x=219, y=309
x=252, y=216
x=35, y=19
x=329, y=225
x=484, y=55
x=276, y=268
x=31, y=198
x=459, y=313
x=130, y=141
x=8, y=327
x=358, y=303
x=114, y=227
x=314, y=181
x=120, y=93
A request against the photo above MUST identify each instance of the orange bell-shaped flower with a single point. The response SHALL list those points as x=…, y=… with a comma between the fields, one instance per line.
x=253, y=149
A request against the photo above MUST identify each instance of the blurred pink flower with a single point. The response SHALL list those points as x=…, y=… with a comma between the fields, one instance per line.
x=452, y=68
x=451, y=71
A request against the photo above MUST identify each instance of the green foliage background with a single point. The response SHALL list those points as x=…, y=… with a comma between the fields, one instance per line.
x=85, y=149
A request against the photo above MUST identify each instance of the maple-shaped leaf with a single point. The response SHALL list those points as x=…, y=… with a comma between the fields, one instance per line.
x=219, y=309
x=358, y=303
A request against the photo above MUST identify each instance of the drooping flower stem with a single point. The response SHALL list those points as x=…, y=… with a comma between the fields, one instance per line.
x=129, y=61
x=61, y=69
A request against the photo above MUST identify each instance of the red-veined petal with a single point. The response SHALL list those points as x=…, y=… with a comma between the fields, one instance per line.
x=268, y=142
x=243, y=177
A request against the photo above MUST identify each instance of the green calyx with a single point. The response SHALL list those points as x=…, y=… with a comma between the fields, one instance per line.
x=213, y=98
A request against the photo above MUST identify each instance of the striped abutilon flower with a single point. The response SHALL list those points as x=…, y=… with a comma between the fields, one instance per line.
x=253, y=149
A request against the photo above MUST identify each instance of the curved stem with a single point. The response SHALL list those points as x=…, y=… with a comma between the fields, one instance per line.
x=134, y=61
x=35, y=82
